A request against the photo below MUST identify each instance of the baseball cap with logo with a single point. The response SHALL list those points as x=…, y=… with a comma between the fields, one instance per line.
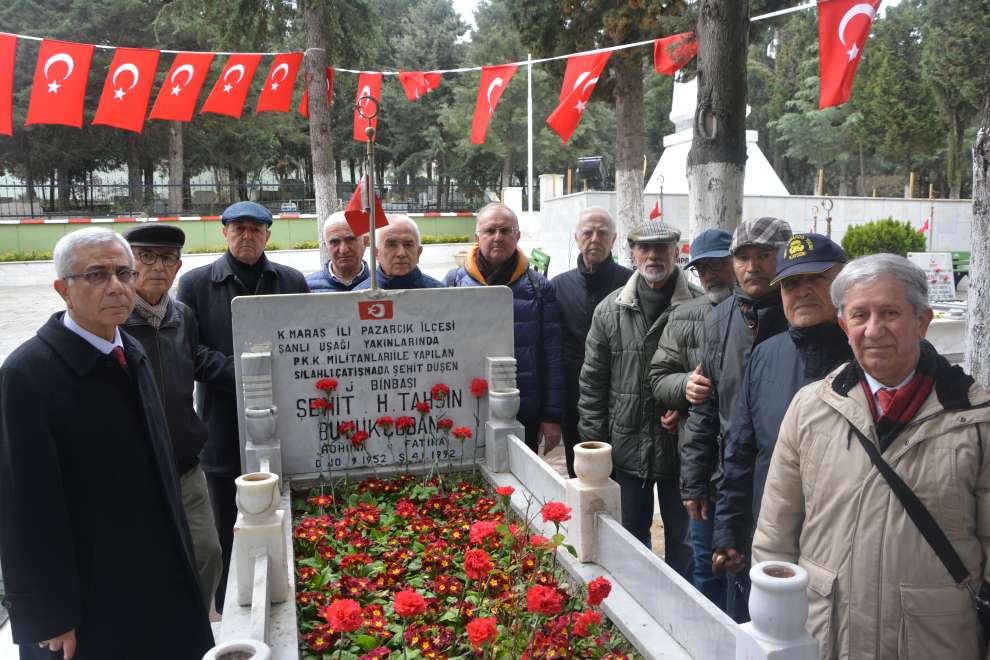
x=764, y=232
x=808, y=254
x=654, y=231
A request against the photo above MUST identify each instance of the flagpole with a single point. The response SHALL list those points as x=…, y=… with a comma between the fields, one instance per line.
x=529, y=131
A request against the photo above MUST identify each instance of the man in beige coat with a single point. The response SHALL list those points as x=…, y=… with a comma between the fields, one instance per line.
x=877, y=590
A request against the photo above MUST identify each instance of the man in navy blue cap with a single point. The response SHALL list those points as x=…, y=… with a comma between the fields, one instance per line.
x=243, y=270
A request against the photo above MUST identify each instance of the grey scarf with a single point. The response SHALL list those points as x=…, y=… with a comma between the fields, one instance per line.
x=153, y=314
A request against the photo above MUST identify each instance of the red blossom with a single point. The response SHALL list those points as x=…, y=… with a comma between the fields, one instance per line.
x=343, y=615
x=479, y=387
x=327, y=385
x=445, y=424
x=556, y=512
x=439, y=391
x=408, y=603
x=538, y=541
x=385, y=422
x=505, y=491
x=320, y=404
x=543, y=600
x=405, y=422
x=477, y=564
x=423, y=407
x=598, y=590
x=481, y=530
x=376, y=654
x=482, y=631
x=346, y=429
x=586, y=620
x=462, y=433
x=359, y=438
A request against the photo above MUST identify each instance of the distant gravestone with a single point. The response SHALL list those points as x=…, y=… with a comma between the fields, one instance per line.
x=386, y=350
x=938, y=270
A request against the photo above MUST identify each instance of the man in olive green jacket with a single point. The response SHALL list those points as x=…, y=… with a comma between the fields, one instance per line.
x=616, y=404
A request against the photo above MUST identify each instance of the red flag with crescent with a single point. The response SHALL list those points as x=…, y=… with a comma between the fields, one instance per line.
x=494, y=82
x=231, y=88
x=655, y=211
x=8, y=49
x=276, y=95
x=369, y=85
x=304, y=101
x=843, y=27
x=177, y=97
x=59, y=88
x=357, y=214
x=565, y=118
x=127, y=89
x=670, y=54
x=417, y=83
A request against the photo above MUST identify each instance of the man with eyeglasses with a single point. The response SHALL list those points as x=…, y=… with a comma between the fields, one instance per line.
x=243, y=270
x=346, y=267
x=170, y=335
x=91, y=520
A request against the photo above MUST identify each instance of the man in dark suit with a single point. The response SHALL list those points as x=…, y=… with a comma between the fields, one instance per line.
x=95, y=548
x=243, y=270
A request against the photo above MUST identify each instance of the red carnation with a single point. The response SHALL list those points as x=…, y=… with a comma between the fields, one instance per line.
x=543, y=600
x=319, y=404
x=482, y=631
x=343, y=615
x=439, y=391
x=477, y=564
x=445, y=424
x=505, y=491
x=482, y=530
x=358, y=438
x=556, y=512
x=587, y=619
x=405, y=422
x=346, y=428
x=385, y=422
x=327, y=385
x=408, y=603
x=479, y=387
x=598, y=590
x=462, y=433
x=423, y=407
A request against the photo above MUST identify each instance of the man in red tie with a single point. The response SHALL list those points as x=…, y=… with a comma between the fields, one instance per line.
x=877, y=587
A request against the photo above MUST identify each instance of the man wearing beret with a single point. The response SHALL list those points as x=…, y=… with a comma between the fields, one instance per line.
x=243, y=270
x=169, y=333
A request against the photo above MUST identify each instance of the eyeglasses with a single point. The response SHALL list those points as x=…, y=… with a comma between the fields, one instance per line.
x=701, y=269
x=101, y=276
x=149, y=259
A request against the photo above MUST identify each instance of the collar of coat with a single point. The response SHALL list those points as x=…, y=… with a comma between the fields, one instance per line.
x=471, y=265
x=81, y=357
x=221, y=270
x=682, y=291
x=171, y=319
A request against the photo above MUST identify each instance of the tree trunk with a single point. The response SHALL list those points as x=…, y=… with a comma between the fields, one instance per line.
x=506, y=171
x=717, y=160
x=953, y=156
x=133, y=173
x=862, y=171
x=148, y=170
x=64, y=187
x=176, y=167
x=630, y=145
x=320, y=138
x=978, y=326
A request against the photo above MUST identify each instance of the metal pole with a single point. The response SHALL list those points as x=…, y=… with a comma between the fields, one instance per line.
x=529, y=129
x=369, y=181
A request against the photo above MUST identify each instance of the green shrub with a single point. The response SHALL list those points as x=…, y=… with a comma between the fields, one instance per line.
x=887, y=235
x=26, y=255
x=447, y=238
x=206, y=249
x=306, y=245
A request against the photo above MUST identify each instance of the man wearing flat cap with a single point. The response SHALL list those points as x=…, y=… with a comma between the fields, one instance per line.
x=169, y=333
x=243, y=270
x=616, y=405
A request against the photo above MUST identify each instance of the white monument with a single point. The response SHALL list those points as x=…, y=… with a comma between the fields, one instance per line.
x=671, y=170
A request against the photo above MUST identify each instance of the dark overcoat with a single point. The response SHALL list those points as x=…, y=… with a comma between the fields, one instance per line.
x=92, y=532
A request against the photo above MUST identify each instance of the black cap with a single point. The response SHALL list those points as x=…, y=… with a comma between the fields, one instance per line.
x=156, y=235
x=251, y=211
x=808, y=254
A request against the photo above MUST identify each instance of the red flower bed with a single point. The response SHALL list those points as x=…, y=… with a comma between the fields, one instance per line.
x=406, y=568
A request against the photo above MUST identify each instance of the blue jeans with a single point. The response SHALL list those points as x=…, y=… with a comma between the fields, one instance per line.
x=637, y=516
x=714, y=588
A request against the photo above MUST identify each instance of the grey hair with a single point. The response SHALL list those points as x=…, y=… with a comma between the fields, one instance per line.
x=496, y=206
x=334, y=220
x=398, y=219
x=64, y=255
x=869, y=269
x=596, y=211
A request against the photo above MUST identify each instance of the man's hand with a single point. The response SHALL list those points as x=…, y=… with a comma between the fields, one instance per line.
x=697, y=509
x=551, y=432
x=669, y=420
x=728, y=559
x=698, y=387
x=66, y=643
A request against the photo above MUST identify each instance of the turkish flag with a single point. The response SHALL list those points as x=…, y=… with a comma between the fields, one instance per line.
x=357, y=214
x=923, y=228
x=655, y=211
x=417, y=83
x=177, y=97
x=127, y=89
x=8, y=49
x=375, y=310
x=494, y=82
x=59, y=88
x=369, y=85
x=304, y=101
x=231, y=88
x=568, y=114
x=670, y=54
x=276, y=95
x=843, y=27
x=578, y=69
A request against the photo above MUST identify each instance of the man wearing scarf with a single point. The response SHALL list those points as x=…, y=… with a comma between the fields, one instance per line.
x=813, y=346
x=496, y=260
x=876, y=587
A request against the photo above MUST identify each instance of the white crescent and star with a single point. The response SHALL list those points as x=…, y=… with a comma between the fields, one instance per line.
x=239, y=68
x=365, y=94
x=376, y=311
x=128, y=67
x=188, y=70
x=582, y=102
x=497, y=82
x=854, y=11
x=284, y=68
x=66, y=59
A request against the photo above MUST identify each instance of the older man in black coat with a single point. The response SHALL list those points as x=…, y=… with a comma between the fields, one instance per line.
x=95, y=549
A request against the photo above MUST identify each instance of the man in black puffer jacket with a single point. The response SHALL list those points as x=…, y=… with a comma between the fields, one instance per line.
x=578, y=293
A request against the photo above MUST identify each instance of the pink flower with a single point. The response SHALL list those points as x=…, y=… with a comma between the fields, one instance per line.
x=481, y=530
x=359, y=438
x=505, y=491
x=445, y=424
x=385, y=422
x=319, y=404
x=586, y=620
x=423, y=407
x=405, y=422
x=346, y=429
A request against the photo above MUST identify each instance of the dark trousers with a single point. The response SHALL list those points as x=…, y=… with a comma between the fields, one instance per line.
x=636, y=497
x=532, y=438
x=701, y=532
x=223, y=501
x=569, y=433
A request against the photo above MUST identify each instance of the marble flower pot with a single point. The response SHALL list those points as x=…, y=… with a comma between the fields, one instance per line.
x=257, y=496
x=778, y=603
x=504, y=404
x=239, y=649
x=593, y=462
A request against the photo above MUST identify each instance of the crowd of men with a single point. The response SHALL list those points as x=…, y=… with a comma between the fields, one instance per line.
x=772, y=398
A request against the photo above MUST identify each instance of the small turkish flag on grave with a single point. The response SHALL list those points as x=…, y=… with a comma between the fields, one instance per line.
x=304, y=101
x=670, y=54
x=369, y=86
x=574, y=98
x=8, y=49
x=127, y=89
x=231, y=88
x=417, y=83
x=59, y=87
x=177, y=97
x=276, y=95
x=494, y=81
x=372, y=310
x=655, y=211
x=357, y=214
x=923, y=228
x=843, y=27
